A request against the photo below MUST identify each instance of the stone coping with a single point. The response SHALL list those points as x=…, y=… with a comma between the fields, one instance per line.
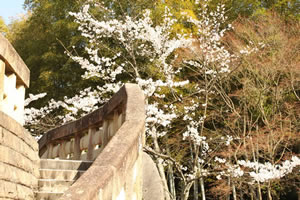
x=14, y=62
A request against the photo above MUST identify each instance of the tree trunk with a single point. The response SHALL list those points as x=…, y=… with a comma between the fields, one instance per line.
x=252, y=194
x=228, y=197
x=196, y=185
x=241, y=194
x=171, y=177
x=186, y=191
x=269, y=191
x=202, y=188
x=171, y=182
x=196, y=190
x=259, y=191
x=163, y=178
x=161, y=170
x=233, y=191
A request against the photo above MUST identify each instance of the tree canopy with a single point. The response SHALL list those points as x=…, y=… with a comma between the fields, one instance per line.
x=42, y=39
x=220, y=101
x=48, y=31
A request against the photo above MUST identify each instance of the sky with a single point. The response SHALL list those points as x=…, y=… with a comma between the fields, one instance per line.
x=11, y=8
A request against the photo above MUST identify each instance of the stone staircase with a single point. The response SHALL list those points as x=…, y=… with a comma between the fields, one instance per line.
x=112, y=136
x=56, y=176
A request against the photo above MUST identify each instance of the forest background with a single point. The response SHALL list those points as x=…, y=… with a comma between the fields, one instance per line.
x=255, y=107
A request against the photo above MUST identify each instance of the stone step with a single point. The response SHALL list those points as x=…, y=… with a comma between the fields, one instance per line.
x=65, y=164
x=51, y=185
x=58, y=174
x=48, y=195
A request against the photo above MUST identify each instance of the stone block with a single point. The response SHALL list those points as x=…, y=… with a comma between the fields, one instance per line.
x=13, y=158
x=12, y=141
x=10, y=190
x=17, y=175
x=14, y=127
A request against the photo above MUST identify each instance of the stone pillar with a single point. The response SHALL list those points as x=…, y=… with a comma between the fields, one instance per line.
x=19, y=103
x=77, y=151
x=10, y=97
x=91, y=136
x=2, y=73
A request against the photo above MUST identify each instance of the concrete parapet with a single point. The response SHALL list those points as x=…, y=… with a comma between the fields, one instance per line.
x=19, y=160
x=14, y=78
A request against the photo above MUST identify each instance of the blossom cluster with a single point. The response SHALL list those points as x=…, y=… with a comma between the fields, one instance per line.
x=209, y=35
x=263, y=172
x=136, y=37
x=259, y=172
x=85, y=102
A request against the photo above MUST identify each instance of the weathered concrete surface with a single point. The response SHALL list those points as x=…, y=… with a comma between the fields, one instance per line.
x=19, y=160
x=152, y=184
x=14, y=62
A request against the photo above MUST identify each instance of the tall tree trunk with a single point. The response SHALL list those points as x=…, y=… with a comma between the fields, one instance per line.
x=269, y=191
x=241, y=194
x=202, y=188
x=171, y=177
x=196, y=184
x=259, y=191
x=196, y=190
x=234, y=191
x=228, y=197
x=161, y=170
x=171, y=181
x=186, y=191
x=252, y=193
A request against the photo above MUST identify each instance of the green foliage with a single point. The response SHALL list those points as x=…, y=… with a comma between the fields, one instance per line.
x=3, y=26
x=41, y=40
x=176, y=8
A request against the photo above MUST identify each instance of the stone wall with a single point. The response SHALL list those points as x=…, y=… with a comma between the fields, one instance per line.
x=19, y=160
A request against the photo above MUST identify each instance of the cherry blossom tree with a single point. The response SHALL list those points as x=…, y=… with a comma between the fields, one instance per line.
x=140, y=51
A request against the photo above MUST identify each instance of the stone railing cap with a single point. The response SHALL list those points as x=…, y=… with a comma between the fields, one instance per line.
x=14, y=61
